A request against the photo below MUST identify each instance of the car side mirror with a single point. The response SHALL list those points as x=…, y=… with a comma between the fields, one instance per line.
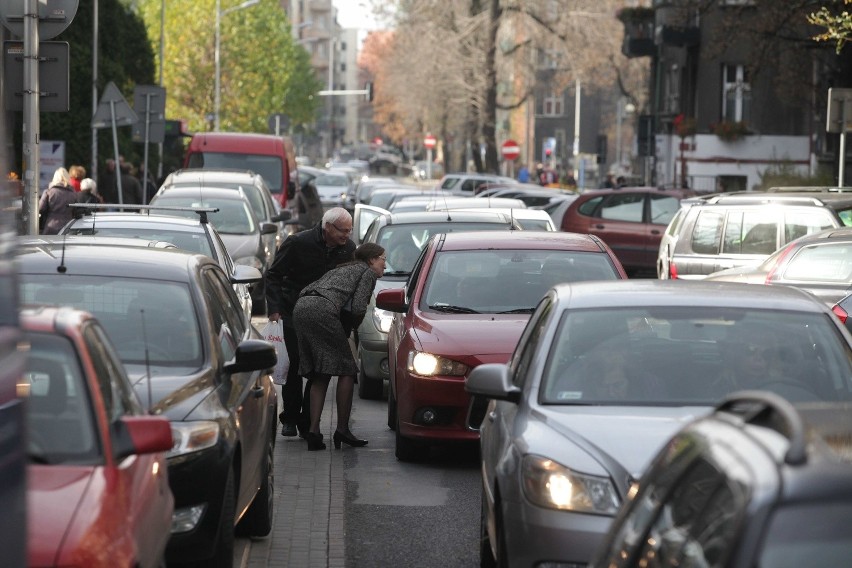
x=253, y=355
x=268, y=228
x=392, y=300
x=291, y=189
x=284, y=215
x=492, y=380
x=136, y=435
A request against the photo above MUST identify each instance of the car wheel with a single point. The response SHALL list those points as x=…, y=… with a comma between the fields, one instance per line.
x=223, y=555
x=369, y=388
x=486, y=557
x=391, y=410
x=407, y=449
x=258, y=519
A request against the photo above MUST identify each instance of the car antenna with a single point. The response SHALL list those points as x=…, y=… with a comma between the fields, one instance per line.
x=447, y=207
x=147, y=358
x=61, y=269
x=512, y=218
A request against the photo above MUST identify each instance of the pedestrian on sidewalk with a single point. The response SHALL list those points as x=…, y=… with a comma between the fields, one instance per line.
x=323, y=330
x=53, y=210
x=301, y=259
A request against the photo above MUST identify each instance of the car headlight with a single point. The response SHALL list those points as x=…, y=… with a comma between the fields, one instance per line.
x=427, y=364
x=549, y=484
x=382, y=319
x=249, y=261
x=188, y=437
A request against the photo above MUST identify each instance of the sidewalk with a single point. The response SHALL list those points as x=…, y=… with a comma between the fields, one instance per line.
x=308, y=525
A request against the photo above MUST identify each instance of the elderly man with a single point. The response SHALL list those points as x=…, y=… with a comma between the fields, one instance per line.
x=300, y=260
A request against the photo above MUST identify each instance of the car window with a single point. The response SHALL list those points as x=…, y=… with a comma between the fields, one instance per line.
x=60, y=422
x=221, y=324
x=624, y=207
x=663, y=208
x=830, y=262
x=707, y=234
x=228, y=301
x=751, y=232
x=528, y=344
x=637, y=356
x=269, y=167
x=193, y=241
x=450, y=183
x=233, y=218
x=414, y=277
x=800, y=223
x=255, y=199
x=118, y=396
x=675, y=223
x=588, y=208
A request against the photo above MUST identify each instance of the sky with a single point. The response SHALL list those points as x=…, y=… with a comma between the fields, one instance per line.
x=355, y=14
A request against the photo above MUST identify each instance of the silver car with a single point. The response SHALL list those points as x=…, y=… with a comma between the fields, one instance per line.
x=605, y=373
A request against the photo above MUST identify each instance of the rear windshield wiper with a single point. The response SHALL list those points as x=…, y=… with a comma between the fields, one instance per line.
x=452, y=309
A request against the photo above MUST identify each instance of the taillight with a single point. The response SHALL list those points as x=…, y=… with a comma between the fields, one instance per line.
x=778, y=260
x=672, y=271
x=840, y=313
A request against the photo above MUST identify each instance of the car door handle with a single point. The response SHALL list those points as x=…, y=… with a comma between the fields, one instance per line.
x=600, y=226
x=655, y=232
x=257, y=391
x=492, y=416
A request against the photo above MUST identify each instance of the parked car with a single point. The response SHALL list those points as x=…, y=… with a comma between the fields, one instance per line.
x=403, y=236
x=605, y=373
x=97, y=473
x=466, y=302
x=449, y=203
x=528, y=219
x=465, y=184
x=423, y=170
x=249, y=241
x=192, y=357
x=757, y=483
x=820, y=263
x=188, y=234
x=361, y=191
x=533, y=195
x=842, y=309
x=631, y=220
x=265, y=154
x=385, y=197
x=721, y=231
x=333, y=188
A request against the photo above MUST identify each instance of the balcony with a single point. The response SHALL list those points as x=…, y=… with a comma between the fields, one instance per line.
x=678, y=36
x=638, y=32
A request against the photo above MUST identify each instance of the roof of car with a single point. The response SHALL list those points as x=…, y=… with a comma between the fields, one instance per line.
x=204, y=193
x=639, y=189
x=138, y=220
x=508, y=240
x=807, y=199
x=191, y=175
x=406, y=217
x=46, y=256
x=691, y=293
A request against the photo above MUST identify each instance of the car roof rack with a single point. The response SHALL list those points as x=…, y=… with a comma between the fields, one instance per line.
x=756, y=198
x=111, y=207
x=769, y=410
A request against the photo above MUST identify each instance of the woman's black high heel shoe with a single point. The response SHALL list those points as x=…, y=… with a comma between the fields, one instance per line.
x=314, y=441
x=347, y=439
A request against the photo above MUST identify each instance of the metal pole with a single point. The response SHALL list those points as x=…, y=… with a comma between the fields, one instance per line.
x=94, y=171
x=115, y=148
x=145, y=159
x=619, y=117
x=32, y=156
x=842, y=164
x=162, y=55
x=216, y=94
x=576, y=147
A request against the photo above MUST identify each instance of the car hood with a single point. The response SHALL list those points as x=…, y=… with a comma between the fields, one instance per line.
x=240, y=246
x=174, y=396
x=59, y=499
x=493, y=336
x=628, y=435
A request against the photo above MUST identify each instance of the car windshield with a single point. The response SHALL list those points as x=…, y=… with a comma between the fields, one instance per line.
x=694, y=356
x=808, y=535
x=233, y=218
x=61, y=427
x=148, y=321
x=269, y=167
x=325, y=179
x=403, y=243
x=505, y=281
x=191, y=241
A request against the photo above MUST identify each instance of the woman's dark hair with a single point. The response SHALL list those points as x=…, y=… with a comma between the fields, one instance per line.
x=368, y=251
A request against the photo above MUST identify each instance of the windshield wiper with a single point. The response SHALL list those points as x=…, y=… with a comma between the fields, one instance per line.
x=453, y=309
x=38, y=458
x=519, y=311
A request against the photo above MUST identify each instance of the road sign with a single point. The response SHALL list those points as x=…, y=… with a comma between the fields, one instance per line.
x=430, y=141
x=839, y=111
x=52, y=18
x=112, y=98
x=279, y=123
x=149, y=102
x=53, y=76
x=510, y=150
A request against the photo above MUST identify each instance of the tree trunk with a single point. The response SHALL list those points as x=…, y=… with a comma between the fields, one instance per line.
x=489, y=125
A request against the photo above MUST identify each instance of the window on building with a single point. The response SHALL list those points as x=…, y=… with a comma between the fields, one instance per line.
x=552, y=105
x=736, y=93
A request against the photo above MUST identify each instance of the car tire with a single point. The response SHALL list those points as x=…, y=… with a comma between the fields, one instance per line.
x=369, y=388
x=258, y=519
x=223, y=555
x=391, y=410
x=407, y=450
x=486, y=557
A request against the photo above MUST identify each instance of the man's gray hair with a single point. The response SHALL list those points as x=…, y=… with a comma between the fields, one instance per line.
x=334, y=215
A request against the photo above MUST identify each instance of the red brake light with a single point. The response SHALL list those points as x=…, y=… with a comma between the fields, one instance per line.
x=672, y=271
x=778, y=262
x=840, y=313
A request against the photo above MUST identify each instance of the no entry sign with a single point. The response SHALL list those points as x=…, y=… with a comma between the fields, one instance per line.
x=429, y=141
x=510, y=150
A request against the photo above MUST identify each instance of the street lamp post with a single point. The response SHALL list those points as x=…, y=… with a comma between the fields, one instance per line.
x=217, y=80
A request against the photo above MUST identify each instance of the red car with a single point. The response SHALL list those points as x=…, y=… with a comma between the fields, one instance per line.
x=98, y=491
x=466, y=303
x=631, y=220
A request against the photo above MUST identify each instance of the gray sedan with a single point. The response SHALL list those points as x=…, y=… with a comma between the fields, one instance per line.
x=605, y=373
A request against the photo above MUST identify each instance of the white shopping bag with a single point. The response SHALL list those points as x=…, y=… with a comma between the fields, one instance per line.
x=273, y=332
